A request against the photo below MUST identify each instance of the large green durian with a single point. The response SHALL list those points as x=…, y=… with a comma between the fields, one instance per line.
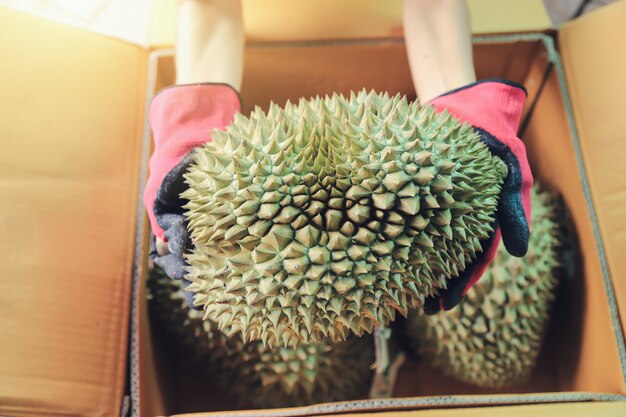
x=258, y=375
x=492, y=338
x=328, y=216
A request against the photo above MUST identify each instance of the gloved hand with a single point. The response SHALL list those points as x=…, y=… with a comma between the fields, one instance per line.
x=494, y=108
x=181, y=117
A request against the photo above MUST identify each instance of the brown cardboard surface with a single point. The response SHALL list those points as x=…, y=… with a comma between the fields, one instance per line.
x=598, y=107
x=294, y=70
x=70, y=117
x=581, y=351
x=282, y=20
x=589, y=358
x=571, y=410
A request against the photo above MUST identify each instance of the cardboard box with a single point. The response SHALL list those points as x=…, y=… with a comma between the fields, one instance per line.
x=71, y=158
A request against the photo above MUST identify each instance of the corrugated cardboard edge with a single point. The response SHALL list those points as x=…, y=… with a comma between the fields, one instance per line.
x=139, y=255
x=389, y=404
x=398, y=404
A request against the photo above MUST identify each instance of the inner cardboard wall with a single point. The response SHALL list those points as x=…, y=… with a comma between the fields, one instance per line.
x=587, y=359
x=580, y=351
x=592, y=64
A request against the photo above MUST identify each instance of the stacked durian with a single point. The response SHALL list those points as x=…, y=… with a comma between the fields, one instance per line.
x=326, y=217
x=256, y=375
x=492, y=338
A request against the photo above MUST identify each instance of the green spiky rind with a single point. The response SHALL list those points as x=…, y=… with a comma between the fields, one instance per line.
x=255, y=375
x=493, y=337
x=327, y=217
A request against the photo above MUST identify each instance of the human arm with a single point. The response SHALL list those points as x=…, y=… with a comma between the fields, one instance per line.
x=438, y=46
x=438, y=43
x=209, y=64
x=210, y=41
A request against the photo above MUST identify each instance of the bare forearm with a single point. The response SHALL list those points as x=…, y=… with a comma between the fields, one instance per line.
x=439, y=48
x=209, y=46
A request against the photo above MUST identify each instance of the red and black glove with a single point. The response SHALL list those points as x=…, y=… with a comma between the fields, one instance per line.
x=493, y=108
x=181, y=117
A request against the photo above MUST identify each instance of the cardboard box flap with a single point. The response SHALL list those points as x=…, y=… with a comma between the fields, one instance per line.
x=613, y=409
x=595, y=70
x=71, y=119
x=284, y=20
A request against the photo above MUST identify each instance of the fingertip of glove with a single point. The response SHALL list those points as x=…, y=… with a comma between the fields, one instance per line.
x=514, y=230
x=189, y=295
x=518, y=244
x=451, y=302
x=518, y=252
x=170, y=265
x=432, y=306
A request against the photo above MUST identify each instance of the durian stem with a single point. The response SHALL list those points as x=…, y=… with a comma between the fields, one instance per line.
x=439, y=46
x=381, y=343
x=387, y=364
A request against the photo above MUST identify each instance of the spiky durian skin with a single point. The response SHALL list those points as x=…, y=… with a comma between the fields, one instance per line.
x=492, y=338
x=329, y=216
x=258, y=375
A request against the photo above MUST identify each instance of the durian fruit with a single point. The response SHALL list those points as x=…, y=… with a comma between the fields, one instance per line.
x=255, y=375
x=326, y=217
x=492, y=338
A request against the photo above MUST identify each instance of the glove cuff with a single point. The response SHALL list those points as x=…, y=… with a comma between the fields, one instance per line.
x=182, y=117
x=493, y=105
x=510, y=83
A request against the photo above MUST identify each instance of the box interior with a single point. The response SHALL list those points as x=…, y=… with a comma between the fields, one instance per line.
x=580, y=352
x=73, y=105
